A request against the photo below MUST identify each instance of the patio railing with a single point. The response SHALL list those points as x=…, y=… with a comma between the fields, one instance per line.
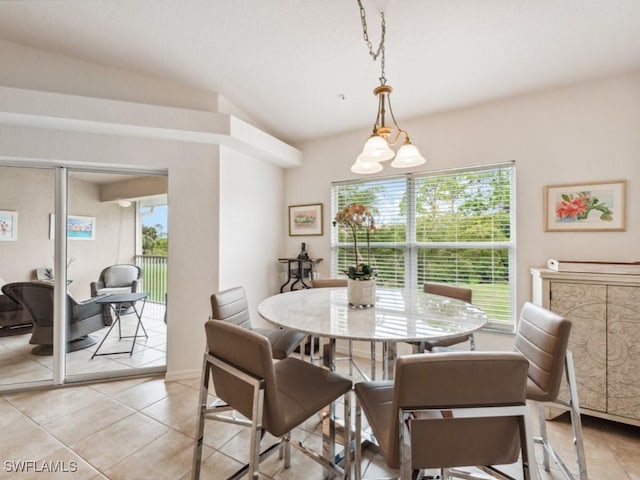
x=154, y=276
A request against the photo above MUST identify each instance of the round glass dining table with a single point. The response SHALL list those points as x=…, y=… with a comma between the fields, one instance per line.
x=398, y=316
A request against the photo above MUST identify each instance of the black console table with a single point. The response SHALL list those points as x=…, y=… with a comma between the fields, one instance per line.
x=302, y=268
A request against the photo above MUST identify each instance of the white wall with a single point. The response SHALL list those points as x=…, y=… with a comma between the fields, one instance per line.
x=251, y=198
x=582, y=133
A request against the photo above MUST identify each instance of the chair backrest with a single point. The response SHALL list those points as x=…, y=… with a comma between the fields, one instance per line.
x=251, y=353
x=329, y=282
x=458, y=380
x=542, y=338
x=231, y=306
x=120, y=275
x=459, y=293
x=35, y=297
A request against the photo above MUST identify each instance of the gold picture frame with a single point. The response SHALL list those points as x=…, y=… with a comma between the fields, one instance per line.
x=305, y=220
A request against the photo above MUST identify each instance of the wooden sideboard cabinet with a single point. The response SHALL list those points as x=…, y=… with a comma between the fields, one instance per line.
x=605, y=336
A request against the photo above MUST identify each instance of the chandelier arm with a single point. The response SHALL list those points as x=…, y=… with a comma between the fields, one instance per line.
x=396, y=137
x=399, y=130
x=381, y=111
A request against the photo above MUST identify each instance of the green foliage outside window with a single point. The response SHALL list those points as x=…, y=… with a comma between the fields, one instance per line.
x=461, y=233
x=152, y=242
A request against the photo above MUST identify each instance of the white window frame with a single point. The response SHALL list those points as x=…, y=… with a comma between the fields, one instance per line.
x=411, y=246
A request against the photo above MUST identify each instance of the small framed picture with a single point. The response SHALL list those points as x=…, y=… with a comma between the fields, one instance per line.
x=585, y=207
x=78, y=228
x=305, y=219
x=8, y=226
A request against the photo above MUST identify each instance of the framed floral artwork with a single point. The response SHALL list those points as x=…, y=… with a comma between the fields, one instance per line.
x=305, y=219
x=8, y=226
x=585, y=207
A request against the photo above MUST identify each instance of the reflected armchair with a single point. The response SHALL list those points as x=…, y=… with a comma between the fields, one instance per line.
x=122, y=278
x=83, y=317
x=117, y=279
x=14, y=319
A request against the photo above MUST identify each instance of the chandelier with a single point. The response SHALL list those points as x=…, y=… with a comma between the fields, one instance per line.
x=378, y=147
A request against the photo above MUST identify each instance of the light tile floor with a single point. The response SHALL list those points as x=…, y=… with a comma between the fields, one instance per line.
x=145, y=427
x=18, y=365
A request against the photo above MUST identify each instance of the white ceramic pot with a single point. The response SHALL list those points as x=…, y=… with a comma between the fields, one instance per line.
x=361, y=293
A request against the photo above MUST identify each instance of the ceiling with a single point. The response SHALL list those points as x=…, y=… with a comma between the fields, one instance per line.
x=302, y=69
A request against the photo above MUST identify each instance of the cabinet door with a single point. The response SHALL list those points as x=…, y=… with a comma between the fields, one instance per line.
x=623, y=351
x=586, y=306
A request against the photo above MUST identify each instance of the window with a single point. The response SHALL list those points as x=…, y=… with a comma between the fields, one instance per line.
x=447, y=227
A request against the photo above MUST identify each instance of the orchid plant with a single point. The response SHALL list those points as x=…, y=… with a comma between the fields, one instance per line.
x=358, y=217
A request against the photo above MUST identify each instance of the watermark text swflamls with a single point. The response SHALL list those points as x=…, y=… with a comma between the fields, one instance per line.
x=42, y=466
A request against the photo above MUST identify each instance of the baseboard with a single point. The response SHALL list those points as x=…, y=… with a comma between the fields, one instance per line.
x=183, y=375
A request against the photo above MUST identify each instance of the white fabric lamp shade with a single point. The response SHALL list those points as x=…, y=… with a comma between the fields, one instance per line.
x=408, y=156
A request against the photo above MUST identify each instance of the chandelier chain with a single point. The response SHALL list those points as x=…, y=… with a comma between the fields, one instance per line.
x=365, y=34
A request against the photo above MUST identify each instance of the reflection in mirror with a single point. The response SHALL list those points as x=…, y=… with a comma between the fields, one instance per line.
x=26, y=253
x=117, y=245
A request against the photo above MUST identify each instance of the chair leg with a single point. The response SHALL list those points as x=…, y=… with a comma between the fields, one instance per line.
x=404, y=419
x=529, y=464
x=472, y=342
x=312, y=355
x=358, y=442
x=256, y=433
x=373, y=360
x=385, y=357
x=329, y=431
x=542, y=423
x=576, y=428
x=202, y=408
x=350, y=358
x=347, y=436
x=576, y=422
x=286, y=446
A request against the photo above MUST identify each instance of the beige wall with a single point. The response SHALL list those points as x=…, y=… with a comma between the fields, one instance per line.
x=582, y=133
x=30, y=192
x=114, y=239
x=250, y=213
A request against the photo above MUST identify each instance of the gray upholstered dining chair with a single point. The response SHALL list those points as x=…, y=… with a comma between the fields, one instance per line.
x=457, y=293
x=275, y=396
x=475, y=414
x=542, y=338
x=231, y=306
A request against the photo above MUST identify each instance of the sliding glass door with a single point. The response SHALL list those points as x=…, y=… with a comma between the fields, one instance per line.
x=116, y=309
x=27, y=200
